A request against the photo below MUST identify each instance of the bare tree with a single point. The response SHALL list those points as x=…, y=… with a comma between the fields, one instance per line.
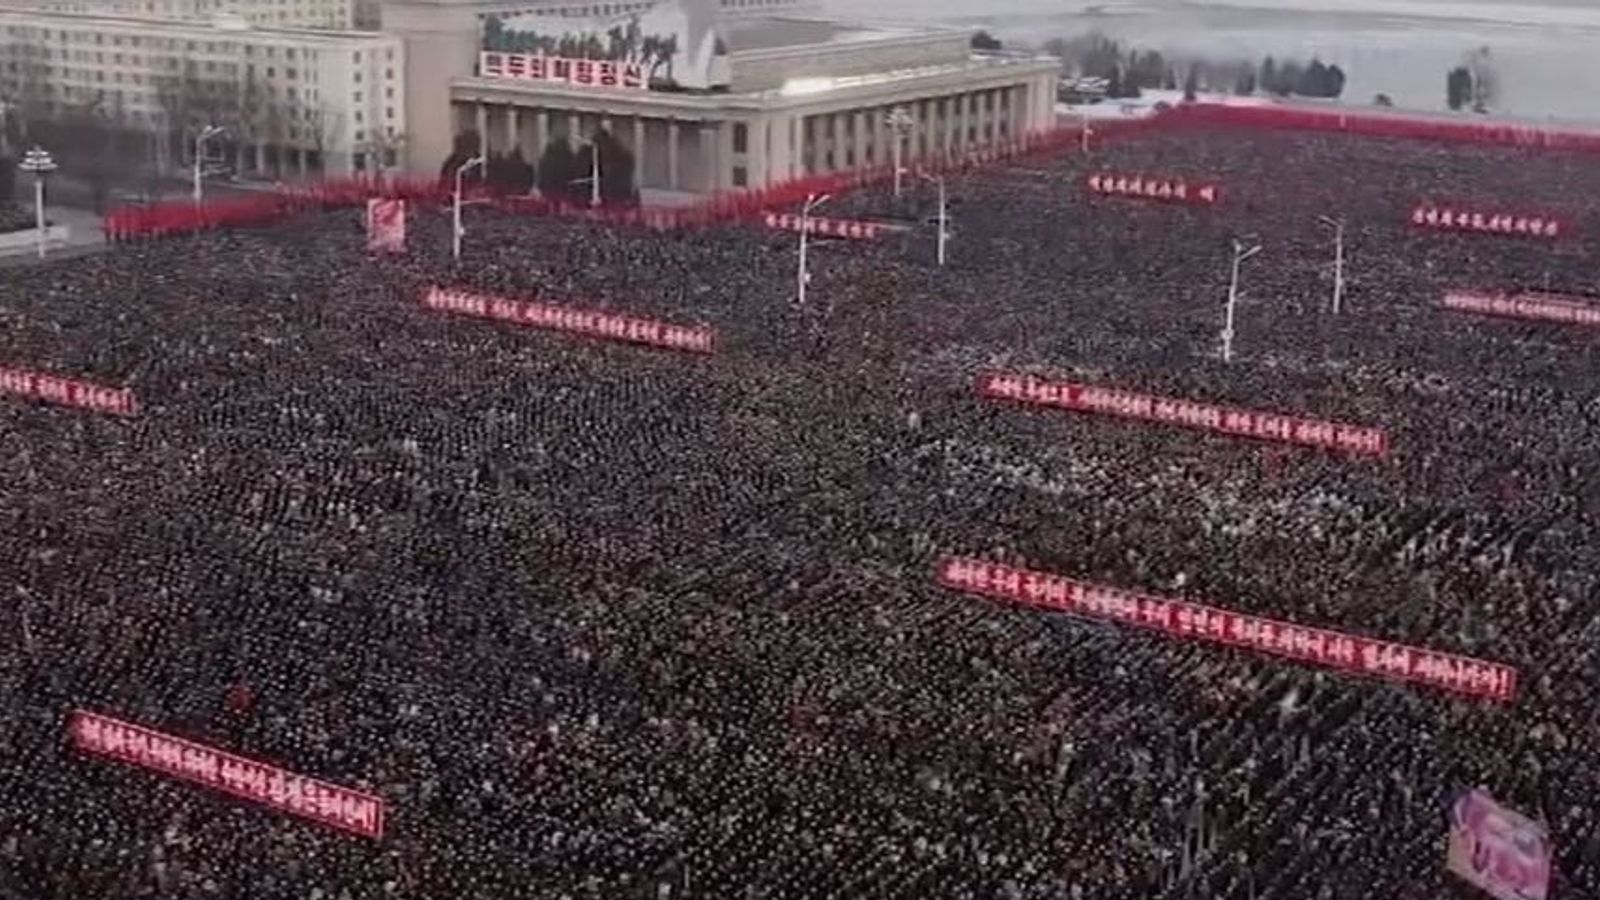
x=322, y=127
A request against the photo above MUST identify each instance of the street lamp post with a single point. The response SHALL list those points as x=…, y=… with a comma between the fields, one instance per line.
x=38, y=162
x=1083, y=132
x=900, y=122
x=594, y=172
x=1338, y=259
x=456, y=230
x=206, y=134
x=1240, y=254
x=944, y=214
x=802, y=274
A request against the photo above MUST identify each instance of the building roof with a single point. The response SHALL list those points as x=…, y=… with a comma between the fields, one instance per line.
x=755, y=33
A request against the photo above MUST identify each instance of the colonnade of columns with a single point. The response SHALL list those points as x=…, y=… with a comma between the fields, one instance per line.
x=937, y=128
x=668, y=152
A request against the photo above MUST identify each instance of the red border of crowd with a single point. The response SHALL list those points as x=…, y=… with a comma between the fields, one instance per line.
x=824, y=227
x=261, y=783
x=610, y=326
x=1193, y=621
x=1150, y=187
x=1447, y=218
x=68, y=392
x=1089, y=398
x=1536, y=307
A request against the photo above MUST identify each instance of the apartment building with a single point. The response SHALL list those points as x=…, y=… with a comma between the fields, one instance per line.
x=292, y=101
x=329, y=14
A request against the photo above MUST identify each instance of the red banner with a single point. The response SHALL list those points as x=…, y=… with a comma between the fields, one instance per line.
x=842, y=228
x=386, y=225
x=1449, y=219
x=68, y=392
x=1539, y=307
x=1230, y=420
x=1153, y=188
x=566, y=70
x=247, y=779
x=693, y=339
x=1193, y=621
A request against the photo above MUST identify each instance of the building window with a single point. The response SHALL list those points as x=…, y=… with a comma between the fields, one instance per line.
x=741, y=137
x=741, y=177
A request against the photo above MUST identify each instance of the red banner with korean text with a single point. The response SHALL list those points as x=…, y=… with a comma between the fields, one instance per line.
x=1229, y=420
x=841, y=228
x=1534, y=306
x=1497, y=849
x=1494, y=222
x=1151, y=187
x=565, y=70
x=386, y=225
x=68, y=392
x=260, y=783
x=1193, y=621
x=609, y=326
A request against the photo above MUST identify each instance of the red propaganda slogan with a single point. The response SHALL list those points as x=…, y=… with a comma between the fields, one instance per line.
x=68, y=392
x=692, y=339
x=1249, y=423
x=1538, y=307
x=1153, y=188
x=842, y=228
x=258, y=782
x=1193, y=621
x=1451, y=219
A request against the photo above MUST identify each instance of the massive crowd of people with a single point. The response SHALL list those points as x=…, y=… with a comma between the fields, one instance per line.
x=601, y=621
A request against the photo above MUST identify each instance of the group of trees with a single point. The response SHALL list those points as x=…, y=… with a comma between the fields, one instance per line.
x=1130, y=71
x=1290, y=78
x=983, y=40
x=563, y=172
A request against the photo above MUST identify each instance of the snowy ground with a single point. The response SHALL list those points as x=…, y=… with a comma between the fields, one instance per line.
x=1543, y=52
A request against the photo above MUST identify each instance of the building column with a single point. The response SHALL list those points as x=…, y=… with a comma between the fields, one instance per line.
x=574, y=130
x=541, y=132
x=858, y=140
x=882, y=153
x=638, y=152
x=481, y=123
x=513, y=128
x=964, y=123
x=672, y=155
x=946, y=129
x=991, y=99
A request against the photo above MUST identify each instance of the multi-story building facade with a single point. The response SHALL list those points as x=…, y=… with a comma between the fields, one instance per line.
x=330, y=14
x=708, y=102
x=291, y=101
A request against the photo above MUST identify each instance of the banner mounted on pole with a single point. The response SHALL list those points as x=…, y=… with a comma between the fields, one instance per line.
x=386, y=225
x=1498, y=849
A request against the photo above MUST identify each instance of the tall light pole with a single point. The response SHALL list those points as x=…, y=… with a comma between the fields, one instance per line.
x=944, y=214
x=456, y=230
x=1338, y=259
x=1083, y=132
x=802, y=274
x=899, y=121
x=1240, y=254
x=206, y=134
x=594, y=171
x=38, y=162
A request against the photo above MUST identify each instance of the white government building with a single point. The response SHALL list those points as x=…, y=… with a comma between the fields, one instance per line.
x=707, y=95
x=294, y=101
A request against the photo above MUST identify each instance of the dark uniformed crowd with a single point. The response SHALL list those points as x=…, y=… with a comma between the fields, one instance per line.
x=601, y=621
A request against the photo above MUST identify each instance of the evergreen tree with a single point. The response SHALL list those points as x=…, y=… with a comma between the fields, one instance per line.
x=1382, y=100
x=1458, y=87
x=1335, y=82
x=1269, y=75
x=1313, y=80
x=983, y=40
x=1114, y=83
x=1191, y=84
x=1170, y=81
x=556, y=172
x=1245, y=84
